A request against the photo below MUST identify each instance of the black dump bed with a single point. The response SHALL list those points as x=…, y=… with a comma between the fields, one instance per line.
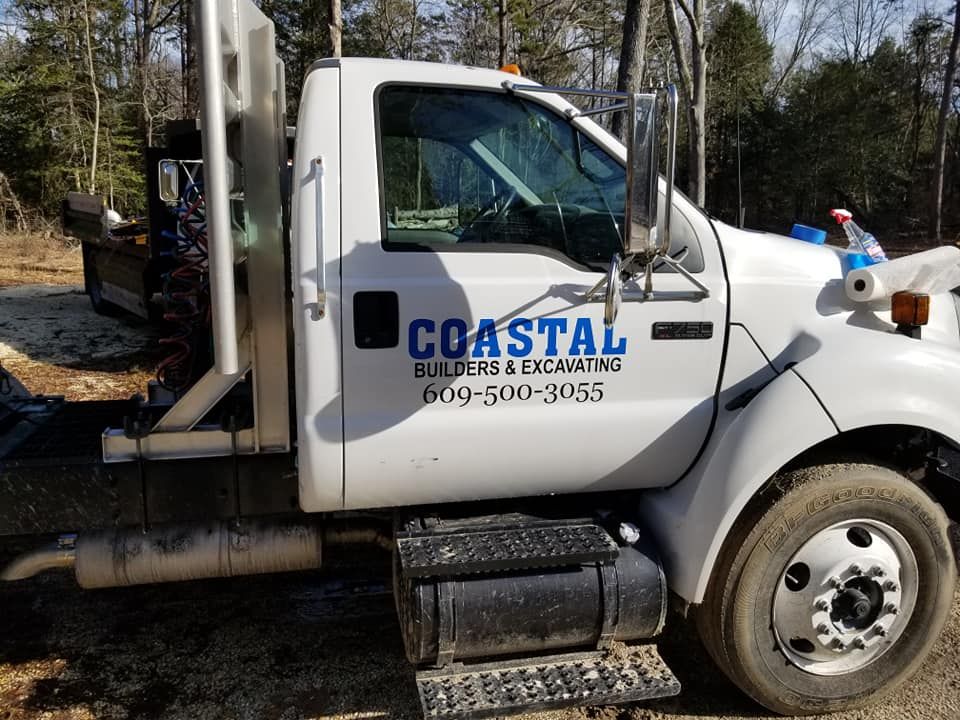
x=53, y=478
x=51, y=473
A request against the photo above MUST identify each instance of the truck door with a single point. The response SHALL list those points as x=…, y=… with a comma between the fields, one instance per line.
x=472, y=365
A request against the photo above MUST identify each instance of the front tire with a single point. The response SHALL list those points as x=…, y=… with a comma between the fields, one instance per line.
x=831, y=589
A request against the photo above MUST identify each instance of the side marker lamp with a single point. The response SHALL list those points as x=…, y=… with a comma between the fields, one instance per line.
x=910, y=311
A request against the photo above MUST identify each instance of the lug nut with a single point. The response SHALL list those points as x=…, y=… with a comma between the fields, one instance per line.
x=877, y=571
x=858, y=643
x=823, y=629
x=823, y=605
x=880, y=630
x=839, y=644
x=892, y=608
x=890, y=585
x=836, y=583
x=856, y=569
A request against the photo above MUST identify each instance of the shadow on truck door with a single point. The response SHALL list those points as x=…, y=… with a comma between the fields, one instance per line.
x=384, y=356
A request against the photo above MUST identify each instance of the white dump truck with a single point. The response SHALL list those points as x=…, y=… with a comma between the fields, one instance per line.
x=469, y=326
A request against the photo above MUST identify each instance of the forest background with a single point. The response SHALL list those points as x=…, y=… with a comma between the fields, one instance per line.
x=788, y=107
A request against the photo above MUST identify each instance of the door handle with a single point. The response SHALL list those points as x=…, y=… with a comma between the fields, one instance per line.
x=318, y=184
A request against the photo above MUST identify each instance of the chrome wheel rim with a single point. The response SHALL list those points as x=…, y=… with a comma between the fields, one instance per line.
x=845, y=597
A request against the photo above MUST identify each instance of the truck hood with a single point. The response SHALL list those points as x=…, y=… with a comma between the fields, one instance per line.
x=789, y=294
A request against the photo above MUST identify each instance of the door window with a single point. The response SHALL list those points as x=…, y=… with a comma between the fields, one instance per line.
x=469, y=170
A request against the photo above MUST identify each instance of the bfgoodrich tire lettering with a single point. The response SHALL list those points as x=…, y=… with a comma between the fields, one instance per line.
x=736, y=618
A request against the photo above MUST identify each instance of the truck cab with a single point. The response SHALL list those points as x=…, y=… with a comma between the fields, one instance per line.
x=462, y=224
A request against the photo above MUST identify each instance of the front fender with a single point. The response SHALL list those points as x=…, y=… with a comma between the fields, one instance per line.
x=691, y=519
x=867, y=378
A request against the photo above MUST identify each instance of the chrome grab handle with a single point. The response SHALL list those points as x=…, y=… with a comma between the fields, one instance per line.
x=318, y=183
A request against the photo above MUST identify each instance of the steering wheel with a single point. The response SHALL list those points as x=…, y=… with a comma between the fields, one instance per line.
x=505, y=199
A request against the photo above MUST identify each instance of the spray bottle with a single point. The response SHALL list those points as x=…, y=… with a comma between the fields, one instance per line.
x=860, y=241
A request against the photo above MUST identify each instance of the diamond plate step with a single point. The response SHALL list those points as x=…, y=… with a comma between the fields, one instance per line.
x=475, y=551
x=545, y=683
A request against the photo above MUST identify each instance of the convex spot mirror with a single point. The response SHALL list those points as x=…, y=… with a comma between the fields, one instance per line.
x=169, y=181
x=614, y=293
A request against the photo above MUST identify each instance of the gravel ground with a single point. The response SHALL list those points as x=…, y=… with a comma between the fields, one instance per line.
x=54, y=343
x=322, y=646
x=302, y=646
x=51, y=339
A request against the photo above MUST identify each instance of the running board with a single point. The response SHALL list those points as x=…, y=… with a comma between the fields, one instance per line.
x=477, y=550
x=627, y=674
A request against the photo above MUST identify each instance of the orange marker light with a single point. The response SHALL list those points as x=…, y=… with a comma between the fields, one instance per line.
x=512, y=68
x=910, y=309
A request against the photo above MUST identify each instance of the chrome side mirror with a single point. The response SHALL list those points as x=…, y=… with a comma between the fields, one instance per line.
x=643, y=145
x=169, y=184
x=647, y=234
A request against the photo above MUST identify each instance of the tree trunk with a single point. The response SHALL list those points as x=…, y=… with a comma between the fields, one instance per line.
x=188, y=62
x=636, y=19
x=336, y=28
x=502, y=32
x=698, y=110
x=692, y=73
x=92, y=186
x=940, y=144
x=143, y=18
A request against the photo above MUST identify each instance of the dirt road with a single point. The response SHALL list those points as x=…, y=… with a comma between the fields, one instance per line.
x=315, y=646
x=301, y=646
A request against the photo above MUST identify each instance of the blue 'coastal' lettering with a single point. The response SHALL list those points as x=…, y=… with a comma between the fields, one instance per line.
x=453, y=338
x=555, y=336
x=517, y=330
x=552, y=327
x=418, y=350
x=608, y=343
x=582, y=343
x=486, y=344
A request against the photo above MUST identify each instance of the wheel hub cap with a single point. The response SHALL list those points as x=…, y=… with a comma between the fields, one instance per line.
x=845, y=597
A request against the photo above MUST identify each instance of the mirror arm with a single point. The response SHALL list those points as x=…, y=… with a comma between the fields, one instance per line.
x=593, y=294
x=648, y=281
x=512, y=87
x=615, y=107
x=671, y=167
x=676, y=266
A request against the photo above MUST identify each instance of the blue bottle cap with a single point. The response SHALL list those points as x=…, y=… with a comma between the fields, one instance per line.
x=808, y=234
x=858, y=260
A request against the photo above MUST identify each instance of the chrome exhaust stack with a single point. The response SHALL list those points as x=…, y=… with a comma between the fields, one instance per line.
x=174, y=553
x=62, y=554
